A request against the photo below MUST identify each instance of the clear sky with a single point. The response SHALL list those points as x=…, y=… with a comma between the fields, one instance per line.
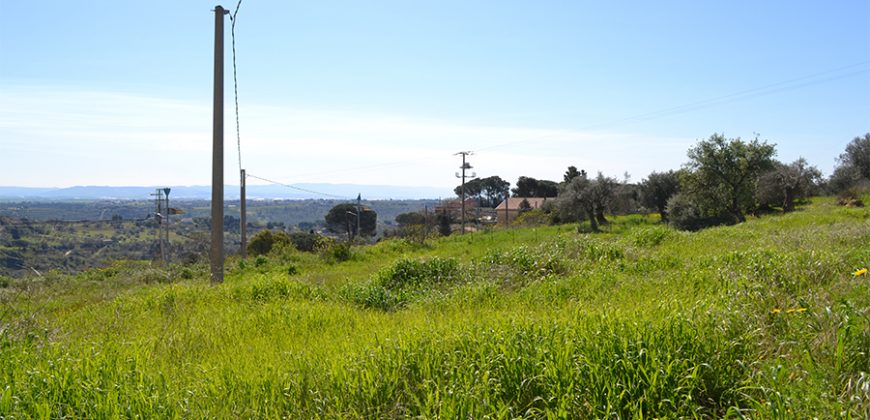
x=385, y=92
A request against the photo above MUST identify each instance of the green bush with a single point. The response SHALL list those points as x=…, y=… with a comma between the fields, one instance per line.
x=685, y=214
x=536, y=217
x=650, y=236
x=304, y=241
x=292, y=270
x=417, y=273
x=265, y=240
x=260, y=261
x=528, y=262
x=374, y=296
x=333, y=251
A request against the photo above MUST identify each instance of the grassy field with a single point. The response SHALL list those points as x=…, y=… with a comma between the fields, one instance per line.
x=764, y=319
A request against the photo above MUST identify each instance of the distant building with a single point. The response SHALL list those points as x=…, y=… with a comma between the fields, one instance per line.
x=509, y=209
x=454, y=207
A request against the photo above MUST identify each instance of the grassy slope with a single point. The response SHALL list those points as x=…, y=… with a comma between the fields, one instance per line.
x=761, y=319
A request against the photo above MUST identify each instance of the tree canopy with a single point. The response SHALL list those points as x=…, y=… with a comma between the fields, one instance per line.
x=491, y=190
x=342, y=219
x=589, y=197
x=657, y=189
x=854, y=164
x=572, y=173
x=531, y=187
x=786, y=183
x=857, y=155
x=722, y=173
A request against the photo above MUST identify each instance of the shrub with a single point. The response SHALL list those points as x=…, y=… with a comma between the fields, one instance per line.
x=374, y=296
x=851, y=197
x=263, y=241
x=332, y=250
x=650, y=236
x=304, y=241
x=536, y=217
x=260, y=261
x=292, y=270
x=685, y=214
x=415, y=273
x=527, y=262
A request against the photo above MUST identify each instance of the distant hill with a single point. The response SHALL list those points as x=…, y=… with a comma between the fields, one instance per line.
x=231, y=192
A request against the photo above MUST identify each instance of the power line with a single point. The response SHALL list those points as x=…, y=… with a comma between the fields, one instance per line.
x=299, y=188
x=236, y=80
x=791, y=84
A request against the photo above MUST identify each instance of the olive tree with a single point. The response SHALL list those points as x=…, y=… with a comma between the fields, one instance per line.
x=854, y=165
x=722, y=173
x=587, y=197
x=657, y=189
x=787, y=183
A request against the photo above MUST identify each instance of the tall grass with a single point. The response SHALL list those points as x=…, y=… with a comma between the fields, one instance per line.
x=761, y=319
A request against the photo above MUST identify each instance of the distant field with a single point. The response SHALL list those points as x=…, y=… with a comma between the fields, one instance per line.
x=74, y=235
x=764, y=319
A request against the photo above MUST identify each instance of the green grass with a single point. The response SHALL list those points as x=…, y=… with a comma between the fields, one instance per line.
x=762, y=319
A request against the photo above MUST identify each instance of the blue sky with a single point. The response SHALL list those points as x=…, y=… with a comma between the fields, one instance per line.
x=385, y=92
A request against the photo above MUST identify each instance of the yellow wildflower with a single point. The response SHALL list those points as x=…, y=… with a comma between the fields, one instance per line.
x=860, y=272
x=775, y=310
x=796, y=310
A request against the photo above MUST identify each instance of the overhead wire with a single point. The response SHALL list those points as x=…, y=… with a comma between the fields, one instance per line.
x=781, y=86
x=803, y=81
x=233, y=20
x=236, y=81
x=310, y=191
x=786, y=85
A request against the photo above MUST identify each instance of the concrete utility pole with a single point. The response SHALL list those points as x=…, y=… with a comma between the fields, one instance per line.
x=426, y=219
x=243, y=222
x=462, y=189
x=166, y=230
x=217, y=156
x=159, y=214
x=507, y=200
x=347, y=224
x=358, y=211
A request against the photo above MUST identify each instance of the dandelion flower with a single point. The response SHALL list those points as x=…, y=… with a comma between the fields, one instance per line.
x=796, y=310
x=860, y=272
x=775, y=310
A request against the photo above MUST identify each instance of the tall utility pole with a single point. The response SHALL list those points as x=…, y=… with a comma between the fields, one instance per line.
x=243, y=219
x=166, y=230
x=159, y=215
x=217, y=156
x=507, y=201
x=464, y=166
x=358, y=211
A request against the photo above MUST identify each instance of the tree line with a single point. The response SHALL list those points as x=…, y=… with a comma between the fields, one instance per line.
x=724, y=180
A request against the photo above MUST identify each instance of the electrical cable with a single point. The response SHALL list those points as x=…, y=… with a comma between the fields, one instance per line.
x=236, y=81
x=299, y=188
x=785, y=85
x=791, y=84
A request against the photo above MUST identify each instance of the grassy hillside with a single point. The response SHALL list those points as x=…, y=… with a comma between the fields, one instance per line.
x=764, y=319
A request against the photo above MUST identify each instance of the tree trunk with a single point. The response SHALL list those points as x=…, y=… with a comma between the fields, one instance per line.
x=788, y=201
x=735, y=210
x=664, y=214
x=593, y=224
x=599, y=215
